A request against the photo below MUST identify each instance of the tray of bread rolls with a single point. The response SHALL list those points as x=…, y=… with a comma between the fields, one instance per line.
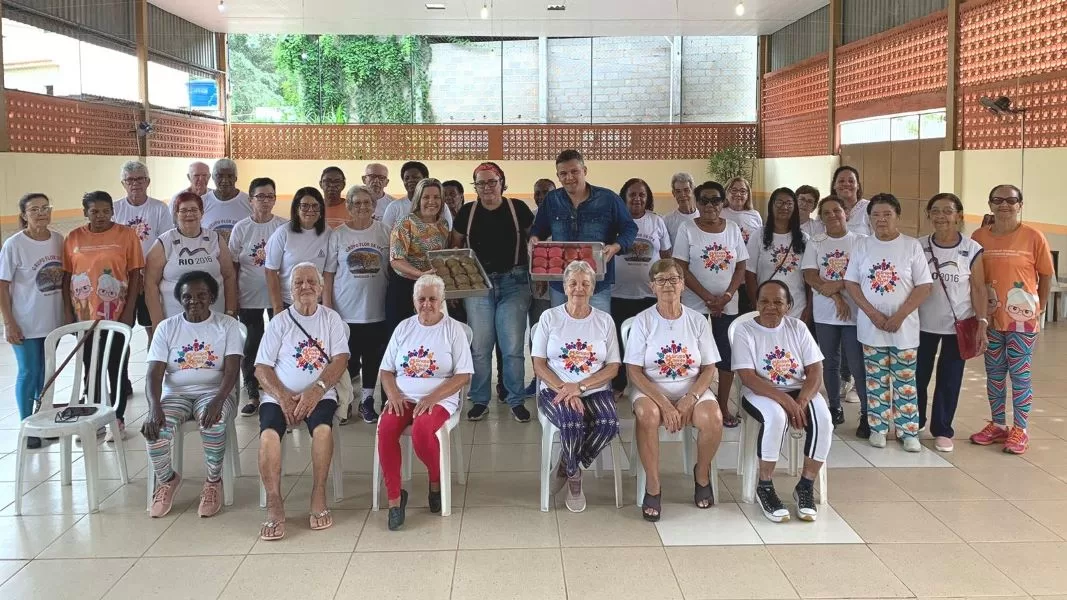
x=548, y=260
x=463, y=275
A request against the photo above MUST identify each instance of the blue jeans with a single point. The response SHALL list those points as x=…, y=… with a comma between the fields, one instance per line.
x=30, y=357
x=837, y=341
x=499, y=319
x=600, y=300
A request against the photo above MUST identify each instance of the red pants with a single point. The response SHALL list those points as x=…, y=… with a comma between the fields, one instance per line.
x=423, y=439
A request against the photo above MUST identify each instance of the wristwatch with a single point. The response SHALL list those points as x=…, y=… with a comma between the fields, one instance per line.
x=321, y=384
x=582, y=388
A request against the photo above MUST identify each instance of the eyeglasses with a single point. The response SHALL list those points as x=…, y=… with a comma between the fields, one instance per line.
x=784, y=202
x=738, y=190
x=375, y=178
x=664, y=281
x=188, y=211
x=332, y=181
x=135, y=180
x=265, y=197
x=939, y=212
x=309, y=207
x=705, y=201
x=38, y=210
x=488, y=183
x=998, y=200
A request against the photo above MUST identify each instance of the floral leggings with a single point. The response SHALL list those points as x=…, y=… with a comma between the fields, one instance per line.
x=891, y=389
x=1009, y=352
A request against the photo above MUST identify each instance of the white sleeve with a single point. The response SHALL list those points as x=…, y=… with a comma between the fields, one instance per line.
x=390, y=217
x=234, y=245
x=664, y=235
x=448, y=216
x=159, y=349
x=612, y=355
x=462, y=362
x=852, y=273
x=810, y=259
x=337, y=340
x=709, y=352
x=681, y=244
x=741, y=350
x=742, y=248
x=275, y=250
x=234, y=344
x=920, y=267
x=271, y=344
x=809, y=350
x=540, y=341
x=332, y=248
x=7, y=262
x=635, y=353
x=390, y=353
x=755, y=244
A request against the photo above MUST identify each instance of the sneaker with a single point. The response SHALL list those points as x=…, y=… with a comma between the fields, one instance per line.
x=477, y=412
x=990, y=434
x=520, y=414
x=943, y=444
x=575, y=495
x=163, y=499
x=771, y=505
x=367, y=412
x=846, y=387
x=531, y=389
x=864, y=430
x=345, y=418
x=804, y=497
x=250, y=409
x=911, y=443
x=210, y=499
x=838, y=415
x=1018, y=441
x=559, y=479
x=877, y=439
x=33, y=443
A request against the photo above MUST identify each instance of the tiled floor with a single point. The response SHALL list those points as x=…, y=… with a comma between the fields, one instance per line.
x=972, y=523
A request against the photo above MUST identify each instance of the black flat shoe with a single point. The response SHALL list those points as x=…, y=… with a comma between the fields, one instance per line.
x=434, y=499
x=396, y=513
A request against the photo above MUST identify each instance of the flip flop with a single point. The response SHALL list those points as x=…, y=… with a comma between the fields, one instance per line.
x=278, y=527
x=653, y=502
x=324, y=520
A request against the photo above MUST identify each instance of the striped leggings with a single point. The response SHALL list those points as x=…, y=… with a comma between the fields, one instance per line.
x=1009, y=352
x=774, y=423
x=891, y=389
x=582, y=436
x=178, y=410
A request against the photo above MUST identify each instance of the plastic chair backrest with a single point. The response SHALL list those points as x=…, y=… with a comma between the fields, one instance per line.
x=625, y=330
x=470, y=333
x=737, y=322
x=109, y=330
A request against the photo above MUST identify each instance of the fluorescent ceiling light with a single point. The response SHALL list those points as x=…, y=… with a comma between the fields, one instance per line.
x=434, y=6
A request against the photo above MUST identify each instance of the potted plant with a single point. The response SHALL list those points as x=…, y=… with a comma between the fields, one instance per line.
x=730, y=162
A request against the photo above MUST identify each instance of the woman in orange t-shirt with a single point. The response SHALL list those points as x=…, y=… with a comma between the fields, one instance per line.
x=1018, y=272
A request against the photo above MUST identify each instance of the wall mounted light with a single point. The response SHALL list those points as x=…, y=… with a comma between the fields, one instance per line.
x=485, y=10
x=222, y=6
x=739, y=10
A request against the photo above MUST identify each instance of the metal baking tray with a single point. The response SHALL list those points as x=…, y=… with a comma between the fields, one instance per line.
x=463, y=253
x=598, y=257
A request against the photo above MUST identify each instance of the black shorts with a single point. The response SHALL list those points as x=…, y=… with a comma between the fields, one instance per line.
x=720, y=331
x=272, y=417
x=142, y=317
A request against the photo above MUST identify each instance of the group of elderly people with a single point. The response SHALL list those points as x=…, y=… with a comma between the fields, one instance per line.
x=349, y=290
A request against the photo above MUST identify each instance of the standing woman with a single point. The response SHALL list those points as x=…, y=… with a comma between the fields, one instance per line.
x=739, y=207
x=31, y=279
x=825, y=263
x=1018, y=273
x=186, y=248
x=888, y=278
x=807, y=200
x=775, y=252
x=632, y=294
x=497, y=229
x=412, y=238
x=846, y=186
x=248, y=249
x=304, y=239
x=712, y=255
x=958, y=293
x=355, y=287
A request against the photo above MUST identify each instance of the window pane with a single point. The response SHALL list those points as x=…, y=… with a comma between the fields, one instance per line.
x=904, y=128
x=570, y=74
x=932, y=125
x=865, y=132
x=521, y=73
x=632, y=80
x=719, y=82
x=465, y=82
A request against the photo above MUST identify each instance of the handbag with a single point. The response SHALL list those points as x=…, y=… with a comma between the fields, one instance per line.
x=967, y=329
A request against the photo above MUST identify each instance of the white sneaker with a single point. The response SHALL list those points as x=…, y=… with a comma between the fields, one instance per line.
x=575, y=495
x=877, y=439
x=943, y=444
x=911, y=444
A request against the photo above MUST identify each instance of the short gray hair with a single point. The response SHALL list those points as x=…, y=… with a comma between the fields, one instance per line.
x=350, y=197
x=223, y=163
x=132, y=166
x=429, y=280
x=306, y=265
x=576, y=267
x=682, y=176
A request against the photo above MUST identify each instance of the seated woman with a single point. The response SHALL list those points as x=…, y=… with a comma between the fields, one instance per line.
x=426, y=364
x=575, y=356
x=670, y=360
x=304, y=353
x=193, y=364
x=780, y=367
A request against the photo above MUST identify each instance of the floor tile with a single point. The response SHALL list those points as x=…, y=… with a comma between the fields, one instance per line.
x=857, y=572
x=85, y=578
x=227, y=533
x=422, y=530
x=207, y=576
x=487, y=527
x=990, y=521
x=504, y=489
x=9, y=568
x=109, y=536
x=507, y=432
x=1022, y=483
x=720, y=525
x=862, y=485
x=710, y=573
x=1050, y=513
x=1039, y=568
x=972, y=456
x=843, y=456
x=954, y=570
x=422, y=575
x=299, y=537
x=26, y=536
x=487, y=458
x=828, y=529
x=950, y=484
x=304, y=576
x=894, y=523
x=54, y=498
x=602, y=525
x=1047, y=453
x=894, y=456
x=132, y=498
x=39, y=467
x=479, y=574
x=612, y=573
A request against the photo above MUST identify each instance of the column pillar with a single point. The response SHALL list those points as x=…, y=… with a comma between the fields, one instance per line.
x=141, y=27
x=952, y=68
x=835, y=41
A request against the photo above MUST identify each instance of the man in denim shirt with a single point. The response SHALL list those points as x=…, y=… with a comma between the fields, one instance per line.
x=580, y=212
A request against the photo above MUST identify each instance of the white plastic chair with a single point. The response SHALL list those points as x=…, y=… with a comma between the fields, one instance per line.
x=688, y=436
x=747, y=459
x=549, y=433
x=44, y=425
x=231, y=464
x=447, y=447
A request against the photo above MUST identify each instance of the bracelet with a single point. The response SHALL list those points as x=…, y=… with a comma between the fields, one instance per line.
x=983, y=320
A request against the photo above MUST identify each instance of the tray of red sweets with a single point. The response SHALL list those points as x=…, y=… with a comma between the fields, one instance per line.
x=549, y=259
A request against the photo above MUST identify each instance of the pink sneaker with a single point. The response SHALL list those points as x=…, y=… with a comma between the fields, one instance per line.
x=163, y=499
x=991, y=434
x=211, y=499
x=1018, y=441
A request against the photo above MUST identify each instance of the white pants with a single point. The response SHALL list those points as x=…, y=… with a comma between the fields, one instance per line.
x=775, y=425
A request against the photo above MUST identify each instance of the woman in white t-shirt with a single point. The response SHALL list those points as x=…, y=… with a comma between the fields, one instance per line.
x=712, y=254
x=305, y=239
x=575, y=356
x=426, y=364
x=888, y=278
x=631, y=293
x=670, y=357
x=31, y=298
x=194, y=361
x=739, y=208
x=775, y=251
x=780, y=367
x=824, y=264
x=845, y=184
x=807, y=200
x=356, y=278
x=959, y=293
x=248, y=248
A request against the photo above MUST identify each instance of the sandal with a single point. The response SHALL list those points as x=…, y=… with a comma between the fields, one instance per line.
x=434, y=499
x=652, y=502
x=702, y=493
x=272, y=531
x=321, y=520
x=396, y=513
x=730, y=421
